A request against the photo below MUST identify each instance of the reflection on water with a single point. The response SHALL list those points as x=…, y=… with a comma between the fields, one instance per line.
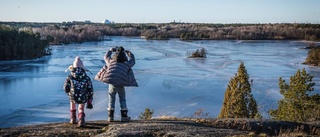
x=169, y=82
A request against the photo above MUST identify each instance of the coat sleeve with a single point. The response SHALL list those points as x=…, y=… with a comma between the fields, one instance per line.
x=67, y=85
x=131, y=60
x=89, y=89
x=107, y=56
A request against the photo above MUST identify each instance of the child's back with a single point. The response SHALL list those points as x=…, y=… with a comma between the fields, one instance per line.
x=79, y=88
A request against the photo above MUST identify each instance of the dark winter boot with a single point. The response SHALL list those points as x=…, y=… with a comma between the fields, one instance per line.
x=73, y=117
x=110, y=115
x=81, y=121
x=124, y=116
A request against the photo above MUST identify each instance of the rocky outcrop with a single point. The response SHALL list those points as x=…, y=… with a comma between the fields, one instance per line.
x=167, y=127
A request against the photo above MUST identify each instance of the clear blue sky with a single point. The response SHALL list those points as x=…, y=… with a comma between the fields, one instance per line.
x=162, y=11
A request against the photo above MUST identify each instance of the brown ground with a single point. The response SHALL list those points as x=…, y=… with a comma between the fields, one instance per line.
x=168, y=127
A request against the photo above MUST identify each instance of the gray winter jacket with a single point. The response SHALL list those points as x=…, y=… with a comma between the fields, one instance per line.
x=119, y=74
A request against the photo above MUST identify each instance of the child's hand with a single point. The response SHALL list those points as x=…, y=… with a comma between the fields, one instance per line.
x=113, y=49
x=89, y=104
x=128, y=52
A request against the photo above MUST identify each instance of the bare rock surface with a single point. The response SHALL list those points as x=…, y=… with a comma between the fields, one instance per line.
x=56, y=129
x=166, y=127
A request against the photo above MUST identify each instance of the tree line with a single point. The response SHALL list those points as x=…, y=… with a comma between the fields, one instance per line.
x=64, y=33
x=186, y=31
x=21, y=45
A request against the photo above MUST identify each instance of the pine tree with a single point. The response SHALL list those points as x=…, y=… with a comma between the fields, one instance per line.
x=297, y=104
x=147, y=114
x=238, y=100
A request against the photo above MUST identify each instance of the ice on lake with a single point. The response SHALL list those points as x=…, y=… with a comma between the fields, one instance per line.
x=169, y=82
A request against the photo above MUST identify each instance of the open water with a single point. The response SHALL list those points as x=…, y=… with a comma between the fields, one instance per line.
x=169, y=83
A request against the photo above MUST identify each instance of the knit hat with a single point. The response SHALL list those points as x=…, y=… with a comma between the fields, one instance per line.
x=120, y=56
x=78, y=63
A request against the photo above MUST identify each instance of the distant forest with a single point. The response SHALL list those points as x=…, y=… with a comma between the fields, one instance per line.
x=21, y=45
x=78, y=32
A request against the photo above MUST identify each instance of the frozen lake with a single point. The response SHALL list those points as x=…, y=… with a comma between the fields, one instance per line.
x=171, y=84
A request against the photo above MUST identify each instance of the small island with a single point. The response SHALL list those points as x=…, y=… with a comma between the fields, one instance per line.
x=198, y=54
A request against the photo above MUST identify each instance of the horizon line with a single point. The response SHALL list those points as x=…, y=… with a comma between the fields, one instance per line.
x=85, y=21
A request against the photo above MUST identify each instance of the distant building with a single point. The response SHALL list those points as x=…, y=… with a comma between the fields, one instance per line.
x=77, y=22
x=87, y=21
x=107, y=21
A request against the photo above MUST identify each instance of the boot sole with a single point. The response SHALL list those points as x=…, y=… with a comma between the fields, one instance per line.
x=73, y=122
x=126, y=119
x=110, y=120
x=81, y=126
